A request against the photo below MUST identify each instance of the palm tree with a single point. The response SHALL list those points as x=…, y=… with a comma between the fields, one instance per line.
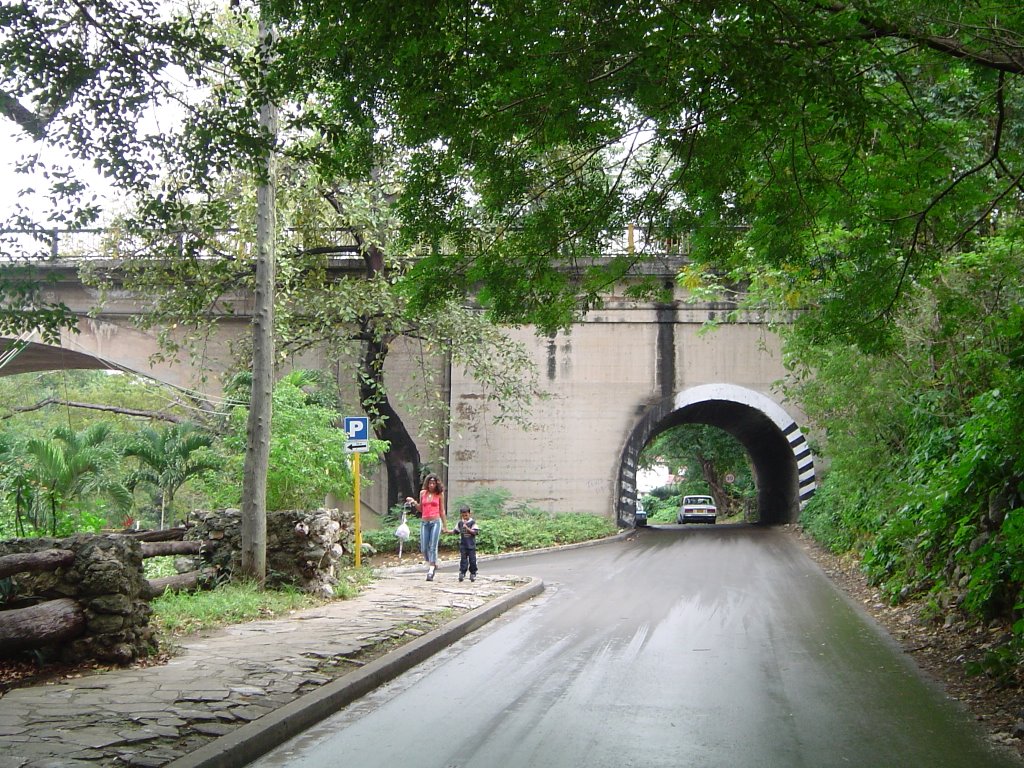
x=169, y=458
x=73, y=465
x=16, y=483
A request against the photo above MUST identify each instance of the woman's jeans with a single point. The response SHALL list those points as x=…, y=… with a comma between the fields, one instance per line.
x=430, y=536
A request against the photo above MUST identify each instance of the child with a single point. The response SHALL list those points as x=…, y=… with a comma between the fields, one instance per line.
x=467, y=530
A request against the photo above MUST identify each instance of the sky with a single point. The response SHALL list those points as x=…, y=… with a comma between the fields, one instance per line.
x=13, y=146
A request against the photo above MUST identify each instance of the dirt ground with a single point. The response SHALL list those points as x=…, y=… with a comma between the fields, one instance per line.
x=940, y=651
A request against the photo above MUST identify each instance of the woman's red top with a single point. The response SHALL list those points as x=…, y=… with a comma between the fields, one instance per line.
x=430, y=505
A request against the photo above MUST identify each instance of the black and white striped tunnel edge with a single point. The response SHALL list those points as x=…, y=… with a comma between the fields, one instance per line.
x=804, y=461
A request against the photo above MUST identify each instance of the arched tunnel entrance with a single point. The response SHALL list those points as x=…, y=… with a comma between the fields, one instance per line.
x=782, y=462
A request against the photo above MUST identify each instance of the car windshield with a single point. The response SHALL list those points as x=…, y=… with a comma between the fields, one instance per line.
x=698, y=500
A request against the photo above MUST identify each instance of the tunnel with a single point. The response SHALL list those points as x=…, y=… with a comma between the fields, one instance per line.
x=782, y=461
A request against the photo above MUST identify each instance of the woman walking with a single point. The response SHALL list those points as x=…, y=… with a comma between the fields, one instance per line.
x=433, y=520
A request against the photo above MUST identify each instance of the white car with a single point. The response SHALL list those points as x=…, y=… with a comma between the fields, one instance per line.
x=697, y=509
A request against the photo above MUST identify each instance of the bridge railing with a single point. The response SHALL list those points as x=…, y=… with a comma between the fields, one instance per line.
x=54, y=244
x=42, y=244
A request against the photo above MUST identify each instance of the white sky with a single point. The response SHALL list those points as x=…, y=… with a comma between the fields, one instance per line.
x=13, y=145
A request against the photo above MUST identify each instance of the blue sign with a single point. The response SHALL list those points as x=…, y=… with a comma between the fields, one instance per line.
x=357, y=427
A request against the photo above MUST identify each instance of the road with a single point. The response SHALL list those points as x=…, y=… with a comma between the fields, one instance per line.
x=682, y=646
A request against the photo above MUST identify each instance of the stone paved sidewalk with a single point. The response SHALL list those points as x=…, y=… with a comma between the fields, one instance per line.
x=222, y=680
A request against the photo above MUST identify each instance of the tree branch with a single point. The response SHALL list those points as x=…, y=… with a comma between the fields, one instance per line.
x=95, y=407
x=949, y=45
x=28, y=120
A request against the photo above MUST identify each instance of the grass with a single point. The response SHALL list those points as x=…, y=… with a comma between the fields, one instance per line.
x=182, y=613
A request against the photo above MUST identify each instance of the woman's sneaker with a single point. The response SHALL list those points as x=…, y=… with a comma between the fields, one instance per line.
x=430, y=574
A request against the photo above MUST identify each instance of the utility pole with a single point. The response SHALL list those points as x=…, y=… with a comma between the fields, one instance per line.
x=257, y=447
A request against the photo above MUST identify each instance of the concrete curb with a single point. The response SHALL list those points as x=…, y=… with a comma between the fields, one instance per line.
x=252, y=740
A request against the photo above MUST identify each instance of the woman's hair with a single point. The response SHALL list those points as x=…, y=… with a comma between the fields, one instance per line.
x=428, y=478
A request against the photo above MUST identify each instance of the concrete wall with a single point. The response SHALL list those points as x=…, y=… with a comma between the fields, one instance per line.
x=602, y=377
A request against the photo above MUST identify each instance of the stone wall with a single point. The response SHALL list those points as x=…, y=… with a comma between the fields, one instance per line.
x=106, y=579
x=304, y=547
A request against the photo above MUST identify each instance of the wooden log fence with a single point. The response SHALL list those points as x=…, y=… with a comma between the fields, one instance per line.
x=50, y=560
x=51, y=622
x=64, y=619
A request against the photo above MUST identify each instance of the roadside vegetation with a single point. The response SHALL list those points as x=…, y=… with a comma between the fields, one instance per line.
x=183, y=613
x=925, y=475
x=506, y=525
x=701, y=460
x=90, y=451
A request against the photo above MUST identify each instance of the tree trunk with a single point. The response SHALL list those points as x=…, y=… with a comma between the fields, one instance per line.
x=710, y=474
x=168, y=534
x=402, y=461
x=257, y=448
x=51, y=622
x=180, y=581
x=48, y=560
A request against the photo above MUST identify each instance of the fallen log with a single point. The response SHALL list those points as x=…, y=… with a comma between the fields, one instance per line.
x=165, y=534
x=44, y=560
x=181, y=581
x=163, y=548
x=51, y=622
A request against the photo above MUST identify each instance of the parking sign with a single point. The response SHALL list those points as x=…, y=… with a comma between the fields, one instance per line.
x=357, y=434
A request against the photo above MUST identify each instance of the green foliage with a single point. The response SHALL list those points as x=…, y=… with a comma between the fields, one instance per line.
x=504, y=526
x=68, y=482
x=662, y=504
x=703, y=456
x=536, y=529
x=844, y=183
x=351, y=582
x=169, y=458
x=926, y=477
x=159, y=567
x=1000, y=664
x=308, y=460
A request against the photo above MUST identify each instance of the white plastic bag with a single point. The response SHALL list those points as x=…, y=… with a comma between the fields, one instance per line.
x=402, y=531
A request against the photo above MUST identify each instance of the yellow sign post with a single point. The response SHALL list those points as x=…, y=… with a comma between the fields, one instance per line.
x=357, y=440
x=355, y=501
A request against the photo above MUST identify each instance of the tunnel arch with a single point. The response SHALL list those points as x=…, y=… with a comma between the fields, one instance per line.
x=33, y=356
x=782, y=461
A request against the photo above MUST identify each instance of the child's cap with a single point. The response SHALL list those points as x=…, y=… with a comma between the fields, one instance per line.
x=463, y=508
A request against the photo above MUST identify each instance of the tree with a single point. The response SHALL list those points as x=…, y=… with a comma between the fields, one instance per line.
x=257, y=446
x=308, y=461
x=704, y=456
x=830, y=153
x=69, y=471
x=169, y=458
x=355, y=315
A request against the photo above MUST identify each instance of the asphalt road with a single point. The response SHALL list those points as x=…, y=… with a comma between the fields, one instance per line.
x=680, y=647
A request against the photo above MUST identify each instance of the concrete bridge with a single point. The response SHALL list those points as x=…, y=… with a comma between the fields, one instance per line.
x=614, y=380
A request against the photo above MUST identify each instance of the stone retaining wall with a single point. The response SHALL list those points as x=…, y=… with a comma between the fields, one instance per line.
x=106, y=580
x=304, y=547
